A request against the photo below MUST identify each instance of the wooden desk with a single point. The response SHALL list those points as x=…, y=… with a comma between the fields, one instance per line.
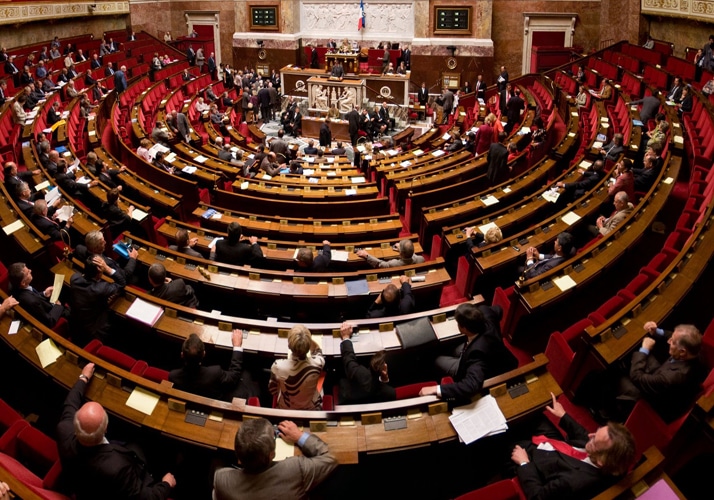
x=339, y=128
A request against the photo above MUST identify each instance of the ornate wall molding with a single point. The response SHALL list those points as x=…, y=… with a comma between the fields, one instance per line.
x=24, y=13
x=388, y=19
x=694, y=9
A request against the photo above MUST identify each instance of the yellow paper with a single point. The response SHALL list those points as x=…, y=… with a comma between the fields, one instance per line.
x=142, y=400
x=57, y=288
x=564, y=282
x=47, y=352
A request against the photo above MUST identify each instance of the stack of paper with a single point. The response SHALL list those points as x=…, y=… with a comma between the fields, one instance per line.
x=139, y=215
x=479, y=419
x=144, y=312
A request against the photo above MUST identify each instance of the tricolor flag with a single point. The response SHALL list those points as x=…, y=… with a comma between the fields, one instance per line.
x=362, y=18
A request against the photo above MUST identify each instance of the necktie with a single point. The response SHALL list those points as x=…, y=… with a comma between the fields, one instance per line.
x=561, y=446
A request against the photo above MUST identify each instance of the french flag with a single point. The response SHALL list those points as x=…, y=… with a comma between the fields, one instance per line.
x=362, y=19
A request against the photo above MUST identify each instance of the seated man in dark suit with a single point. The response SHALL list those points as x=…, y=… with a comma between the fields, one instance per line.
x=94, y=244
x=484, y=355
x=51, y=227
x=538, y=263
x=184, y=244
x=310, y=149
x=306, y=262
x=95, y=467
x=612, y=150
x=212, y=381
x=176, y=291
x=363, y=385
x=13, y=178
x=588, y=180
x=651, y=167
x=33, y=301
x=233, y=250
x=393, y=301
x=340, y=149
x=582, y=467
x=667, y=377
x=89, y=300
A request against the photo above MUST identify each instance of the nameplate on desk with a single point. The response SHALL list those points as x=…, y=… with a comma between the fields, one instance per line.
x=224, y=326
x=386, y=327
x=338, y=281
x=298, y=280
x=371, y=277
x=438, y=318
x=283, y=333
x=371, y=418
x=254, y=276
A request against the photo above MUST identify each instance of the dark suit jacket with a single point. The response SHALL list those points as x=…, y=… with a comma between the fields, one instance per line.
x=589, y=180
x=178, y=292
x=544, y=265
x=80, y=252
x=353, y=118
x=322, y=261
x=485, y=357
x=554, y=475
x=670, y=387
x=361, y=384
x=497, y=163
x=325, y=135
x=120, y=82
x=212, y=381
x=406, y=305
x=39, y=306
x=240, y=254
x=423, y=96
x=514, y=107
x=89, y=315
x=644, y=178
x=480, y=89
x=107, y=471
x=48, y=227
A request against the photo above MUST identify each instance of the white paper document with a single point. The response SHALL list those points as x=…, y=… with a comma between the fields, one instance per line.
x=489, y=200
x=479, y=419
x=143, y=311
x=570, y=218
x=564, y=282
x=139, y=215
x=339, y=255
x=56, y=288
x=11, y=228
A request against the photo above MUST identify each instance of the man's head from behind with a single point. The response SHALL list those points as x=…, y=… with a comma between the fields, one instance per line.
x=90, y=424
x=193, y=351
x=612, y=448
x=304, y=258
x=469, y=319
x=390, y=295
x=255, y=445
x=564, y=244
x=157, y=274
x=406, y=249
x=234, y=233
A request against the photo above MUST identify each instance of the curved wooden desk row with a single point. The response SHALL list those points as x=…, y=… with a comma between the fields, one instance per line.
x=281, y=254
x=348, y=430
x=336, y=230
x=604, y=254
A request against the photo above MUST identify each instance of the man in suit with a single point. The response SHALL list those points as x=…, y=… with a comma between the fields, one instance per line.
x=353, y=121
x=191, y=55
x=447, y=99
x=339, y=149
x=393, y=301
x=178, y=122
x=295, y=126
x=212, y=381
x=11, y=70
x=537, y=263
x=314, y=60
x=650, y=107
x=588, y=180
x=94, y=244
x=675, y=92
x=176, y=290
x=605, y=225
x=97, y=468
x=259, y=478
x=109, y=70
x=96, y=63
x=423, y=95
x=184, y=244
x=651, y=166
x=33, y=301
x=514, y=108
x=503, y=97
x=279, y=146
x=325, y=134
x=13, y=178
x=502, y=79
x=3, y=92
x=47, y=225
x=310, y=149
x=306, y=262
x=483, y=356
x=407, y=57
x=211, y=64
x=89, y=300
x=582, y=467
x=406, y=256
x=233, y=250
x=362, y=385
x=386, y=58
x=480, y=88
x=613, y=149
x=498, y=168
x=264, y=102
x=120, y=83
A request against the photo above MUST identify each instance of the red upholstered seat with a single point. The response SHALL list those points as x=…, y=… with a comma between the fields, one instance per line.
x=506, y=489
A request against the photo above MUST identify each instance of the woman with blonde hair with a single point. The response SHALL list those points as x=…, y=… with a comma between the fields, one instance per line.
x=294, y=380
x=485, y=135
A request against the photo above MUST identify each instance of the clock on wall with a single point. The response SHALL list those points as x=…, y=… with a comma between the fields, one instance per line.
x=262, y=54
x=451, y=63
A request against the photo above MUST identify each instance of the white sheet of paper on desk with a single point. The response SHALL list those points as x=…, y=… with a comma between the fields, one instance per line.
x=358, y=180
x=308, y=171
x=217, y=216
x=585, y=164
x=570, y=218
x=597, y=145
x=189, y=169
x=142, y=400
x=139, y=215
x=14, y=327
x=223, y=338
x=392, y=152
x=437, y=153
x=486, y=227
x=489, y=200
x=200, y=159
x=350, y=192
x=42, y=185
x=417, y=152
x=48, y=352
x=565, y=282
x=507, y=189
x=252, y=341
x=84, y=180
x=678, y=139
x=145, y=312
x=309, y=159
x=340, y=255
x=446, y=329
x=279, y=345
x=64, y=213
x=479, y=419
x=551, y=195
x=266, y=177
x=244, y=185
x=405, y=163
x=368, y=342
x=446, y=136
x=330, y=160
x=668, y=180
x=313, y=180
x=11, y=228
x=390, y=340
x=283, y=450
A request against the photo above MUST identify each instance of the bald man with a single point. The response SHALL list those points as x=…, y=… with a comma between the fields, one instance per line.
x=97, y=468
